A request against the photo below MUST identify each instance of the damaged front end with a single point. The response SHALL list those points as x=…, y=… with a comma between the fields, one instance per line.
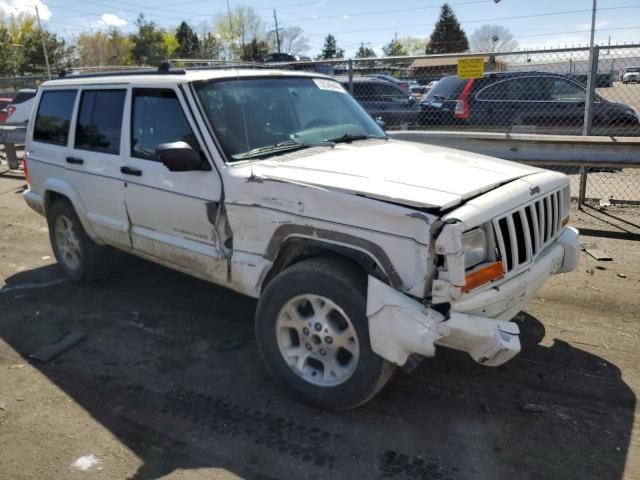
x=488, y=268
x=400, y=326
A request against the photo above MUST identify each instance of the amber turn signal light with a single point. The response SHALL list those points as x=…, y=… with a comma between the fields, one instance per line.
x=564, y=222
x=493, y=271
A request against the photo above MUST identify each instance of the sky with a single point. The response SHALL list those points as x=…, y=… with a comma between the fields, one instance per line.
x=534, y=24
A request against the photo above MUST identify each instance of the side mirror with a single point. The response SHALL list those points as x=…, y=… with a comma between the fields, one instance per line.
x=180, y=157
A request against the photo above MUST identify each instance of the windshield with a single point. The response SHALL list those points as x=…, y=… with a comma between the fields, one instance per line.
x=633, y=70
x=259, y=117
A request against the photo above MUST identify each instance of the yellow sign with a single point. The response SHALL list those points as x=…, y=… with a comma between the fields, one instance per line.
x=471, y=67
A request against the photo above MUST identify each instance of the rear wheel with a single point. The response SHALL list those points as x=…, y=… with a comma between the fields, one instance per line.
x=80, y=258
x=313, y=334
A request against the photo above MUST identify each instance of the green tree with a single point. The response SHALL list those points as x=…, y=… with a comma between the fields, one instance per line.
x=189, y=44
x=395, y=48
x=414, y=45
x=149, y=47
x=254, y=50
x=238, y=28
x=32, y=58
x=103, y=48
x=447, y=36
x=330, y=49
x=21, y=47
x=170, y=43
x=210, y=47
x=365, y=52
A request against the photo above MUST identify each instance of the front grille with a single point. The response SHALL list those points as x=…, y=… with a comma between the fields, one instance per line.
x=522, y=234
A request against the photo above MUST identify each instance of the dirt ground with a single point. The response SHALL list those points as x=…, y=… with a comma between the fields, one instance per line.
x=168, y=382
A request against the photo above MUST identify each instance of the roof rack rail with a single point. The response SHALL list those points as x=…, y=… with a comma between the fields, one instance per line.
x=163, y=69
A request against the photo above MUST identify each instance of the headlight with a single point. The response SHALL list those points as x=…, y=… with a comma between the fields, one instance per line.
x=474, y=244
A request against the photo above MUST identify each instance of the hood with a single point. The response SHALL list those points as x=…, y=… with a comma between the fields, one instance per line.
x=409, y=173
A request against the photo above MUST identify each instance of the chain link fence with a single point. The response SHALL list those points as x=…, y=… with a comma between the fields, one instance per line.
x=552, y=92
x=532, y=92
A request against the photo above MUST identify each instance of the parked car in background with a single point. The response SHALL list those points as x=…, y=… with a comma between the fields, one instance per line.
x=429, y=86
x=4, y=103
x=519, y=98
x=416, y=88
x=279, y=57
x=404, y=84
x=385, y=101
x=19, y=110
x=631, y=74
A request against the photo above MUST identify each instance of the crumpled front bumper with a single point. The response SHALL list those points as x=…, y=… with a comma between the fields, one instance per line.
x=476, y=323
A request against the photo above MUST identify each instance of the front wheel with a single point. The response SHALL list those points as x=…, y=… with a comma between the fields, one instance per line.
x=312, y=332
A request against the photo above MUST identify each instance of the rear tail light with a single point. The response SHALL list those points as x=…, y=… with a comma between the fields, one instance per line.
x=10, y=110
x=461, y=109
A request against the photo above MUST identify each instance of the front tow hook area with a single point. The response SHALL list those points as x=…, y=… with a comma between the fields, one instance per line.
x=400, y=326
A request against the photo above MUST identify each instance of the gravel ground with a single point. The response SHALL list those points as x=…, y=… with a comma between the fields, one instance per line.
x=168, y=382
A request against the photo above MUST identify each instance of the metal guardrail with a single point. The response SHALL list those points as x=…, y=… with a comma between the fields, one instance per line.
x=598, y=166
x=568, y=150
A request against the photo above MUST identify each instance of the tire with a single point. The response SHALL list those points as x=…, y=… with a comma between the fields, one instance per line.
x=351, y=372
x=79, y=257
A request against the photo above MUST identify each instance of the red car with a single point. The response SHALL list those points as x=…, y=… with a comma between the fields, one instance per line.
x=4, y=103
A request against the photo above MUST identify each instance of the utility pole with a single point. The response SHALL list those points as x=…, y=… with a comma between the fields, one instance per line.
x=275, y=19
x=44, y=45
x=586, y=128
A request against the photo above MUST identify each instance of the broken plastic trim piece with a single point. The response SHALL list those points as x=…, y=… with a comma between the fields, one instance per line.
x=400, y=326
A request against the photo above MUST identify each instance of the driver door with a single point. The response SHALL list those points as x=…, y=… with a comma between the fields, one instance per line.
x=171, y=213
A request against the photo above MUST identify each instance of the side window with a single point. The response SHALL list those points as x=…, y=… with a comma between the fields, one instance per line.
x=523, y=89
x=562, y=90
x=156, y=118
x=361, y=91
x=388, y=93
x=100, y=120
x=54, y=116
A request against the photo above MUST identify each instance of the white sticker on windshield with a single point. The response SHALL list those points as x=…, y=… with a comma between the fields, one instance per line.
x=324, y=84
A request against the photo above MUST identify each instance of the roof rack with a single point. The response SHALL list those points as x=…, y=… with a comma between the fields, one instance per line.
x=163, y=69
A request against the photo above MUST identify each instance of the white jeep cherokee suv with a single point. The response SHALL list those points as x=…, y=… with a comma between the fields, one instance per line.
x=363, y=251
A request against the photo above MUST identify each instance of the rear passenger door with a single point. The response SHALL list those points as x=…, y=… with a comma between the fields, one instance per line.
x=94, y=160
x=172, y=213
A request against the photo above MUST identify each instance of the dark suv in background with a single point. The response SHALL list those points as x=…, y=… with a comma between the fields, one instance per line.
x=519, y=98
x=385, y=101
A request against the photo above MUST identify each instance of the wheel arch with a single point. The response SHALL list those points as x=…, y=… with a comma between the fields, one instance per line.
x=291, y=244
x=56, y=189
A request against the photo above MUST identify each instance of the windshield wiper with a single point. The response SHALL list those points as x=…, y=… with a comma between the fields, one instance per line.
x=351, y=137
x=286, y=146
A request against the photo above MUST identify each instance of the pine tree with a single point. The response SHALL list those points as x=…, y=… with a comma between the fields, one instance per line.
x=447, y=36
x=254, y=50
x=365, y=52
x=188, y=40
x=330, y=49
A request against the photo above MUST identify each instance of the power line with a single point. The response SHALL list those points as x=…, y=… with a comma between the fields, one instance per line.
x=379, y=12
x=484, y=20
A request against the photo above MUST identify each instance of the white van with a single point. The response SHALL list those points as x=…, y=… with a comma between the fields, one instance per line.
x=364, y=252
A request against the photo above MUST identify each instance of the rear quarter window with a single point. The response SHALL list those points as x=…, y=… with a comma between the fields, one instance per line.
x=448, y=87
x=23, y=97
x=54, y=116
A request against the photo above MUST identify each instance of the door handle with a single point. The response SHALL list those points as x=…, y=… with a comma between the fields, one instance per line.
x=75, y=160
x=131, y=171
